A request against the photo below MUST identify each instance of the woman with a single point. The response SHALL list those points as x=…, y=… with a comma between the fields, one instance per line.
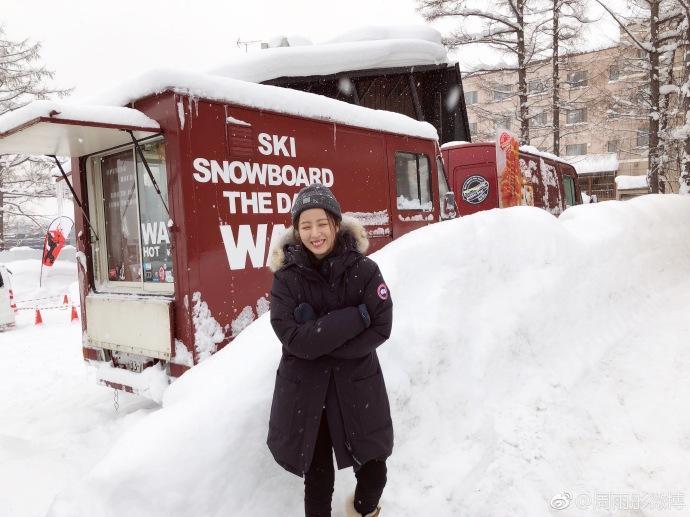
x=331, y=309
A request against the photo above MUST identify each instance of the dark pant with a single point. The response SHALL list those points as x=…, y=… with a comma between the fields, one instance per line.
x=319, y=480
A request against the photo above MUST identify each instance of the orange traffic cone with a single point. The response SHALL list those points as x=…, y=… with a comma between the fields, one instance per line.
x=74, y=315
x=65, y=301
x=39, y=320
x=13, y=304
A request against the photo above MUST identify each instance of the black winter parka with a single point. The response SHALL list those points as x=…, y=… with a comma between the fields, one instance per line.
x=331, y=363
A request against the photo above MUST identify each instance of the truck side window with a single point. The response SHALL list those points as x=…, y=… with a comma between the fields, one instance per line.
x=569, y=185
x=155, y=238
x=413, y=181
x=135, y=223
x=121, y=218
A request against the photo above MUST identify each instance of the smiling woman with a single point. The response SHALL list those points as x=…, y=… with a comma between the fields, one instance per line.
x=317, y=230
x=331, y=309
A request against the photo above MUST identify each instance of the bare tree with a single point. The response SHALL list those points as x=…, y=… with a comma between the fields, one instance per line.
x=682, y=133
x=567, y=19
x=22, y=79
x=657, y=43
x=508, y=26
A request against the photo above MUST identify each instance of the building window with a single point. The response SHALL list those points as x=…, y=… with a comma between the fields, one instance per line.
x=473, y=128
x=502, y=123
x=540, y=119
x=575, y=149
x=471, y=97
x=413, y=181
x=577, y=79
x=536, y=86
x=614, y=73
x=612, y=146
x=642, y=138
x=614, y=111
x=641, y=53
x=501, y=92
x=576, y=116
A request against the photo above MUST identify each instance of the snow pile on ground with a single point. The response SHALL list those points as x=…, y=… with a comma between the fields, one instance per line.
x=533, y=361
x=55, y=422
x=29, y=290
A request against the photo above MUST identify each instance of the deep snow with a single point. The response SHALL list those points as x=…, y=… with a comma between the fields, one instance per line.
x=55, y=422
x=530, y=356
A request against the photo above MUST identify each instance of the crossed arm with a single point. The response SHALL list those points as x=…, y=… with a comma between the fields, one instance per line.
x=342, y=333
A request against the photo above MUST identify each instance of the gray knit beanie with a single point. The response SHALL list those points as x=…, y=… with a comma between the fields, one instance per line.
x=315, y=196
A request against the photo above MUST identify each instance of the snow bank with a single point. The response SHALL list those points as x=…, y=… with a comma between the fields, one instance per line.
x=271, y=98
x=61, y=110
x=631, y=182
x=529, y=356
x=56, y=421
x=594, y=163
x=68, y=254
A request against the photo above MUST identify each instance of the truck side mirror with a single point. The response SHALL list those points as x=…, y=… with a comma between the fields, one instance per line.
x=449, y=208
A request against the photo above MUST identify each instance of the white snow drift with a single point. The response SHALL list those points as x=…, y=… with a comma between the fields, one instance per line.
x=530, y=356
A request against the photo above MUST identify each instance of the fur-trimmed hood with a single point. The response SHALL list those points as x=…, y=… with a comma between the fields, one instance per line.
x=348, y=226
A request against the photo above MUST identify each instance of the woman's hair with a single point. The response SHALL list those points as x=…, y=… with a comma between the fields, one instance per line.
x=331, y=221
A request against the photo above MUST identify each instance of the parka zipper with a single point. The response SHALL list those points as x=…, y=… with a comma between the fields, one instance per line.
x=348, y=446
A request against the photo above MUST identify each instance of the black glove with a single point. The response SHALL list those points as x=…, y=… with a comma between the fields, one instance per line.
x=303, y=313
x=364, y=313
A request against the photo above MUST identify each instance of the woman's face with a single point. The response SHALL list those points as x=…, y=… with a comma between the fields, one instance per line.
x=316, y=231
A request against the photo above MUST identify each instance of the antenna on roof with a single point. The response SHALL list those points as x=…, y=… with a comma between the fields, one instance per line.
x=247, y=44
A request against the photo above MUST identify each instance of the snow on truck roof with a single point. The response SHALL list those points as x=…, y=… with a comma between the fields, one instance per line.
x=71, y=111
x=70, y=129
x=362, y=49
x=523, y=148
x=265, y=97
x=77, y=129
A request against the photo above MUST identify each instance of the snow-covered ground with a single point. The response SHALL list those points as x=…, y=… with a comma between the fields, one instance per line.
x=534, y=362
x=55, y=422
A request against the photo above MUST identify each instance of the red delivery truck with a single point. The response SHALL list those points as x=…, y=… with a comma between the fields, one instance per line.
x=548, y=182
x=182, y=182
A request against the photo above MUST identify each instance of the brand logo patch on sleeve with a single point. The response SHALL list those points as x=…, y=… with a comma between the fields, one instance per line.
x=382, y=291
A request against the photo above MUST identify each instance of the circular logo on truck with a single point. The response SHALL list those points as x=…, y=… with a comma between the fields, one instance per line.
x=475, y=189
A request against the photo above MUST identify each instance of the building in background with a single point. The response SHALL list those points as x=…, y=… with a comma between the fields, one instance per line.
x=603, y=117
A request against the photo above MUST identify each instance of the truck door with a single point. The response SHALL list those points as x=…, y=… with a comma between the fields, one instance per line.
x=475, y=187
x=414, y=196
